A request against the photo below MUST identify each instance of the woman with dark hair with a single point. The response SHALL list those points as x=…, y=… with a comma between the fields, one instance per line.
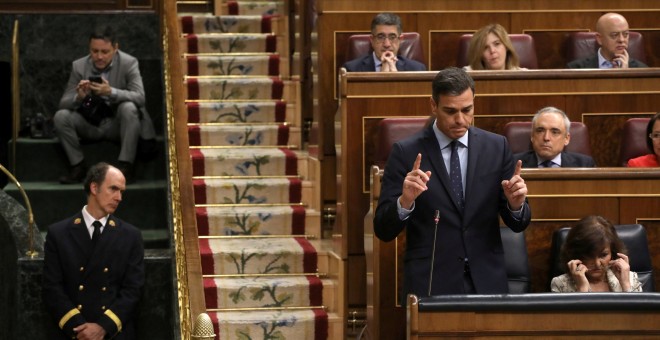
x=653, y=142
x=491, y=49
x=595, y=260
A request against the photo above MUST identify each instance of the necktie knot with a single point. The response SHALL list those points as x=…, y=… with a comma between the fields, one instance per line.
x=547, y=164
x=97, y=231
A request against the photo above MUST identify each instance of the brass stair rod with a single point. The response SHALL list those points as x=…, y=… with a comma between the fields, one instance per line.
x=31, y=252
x=16, y=91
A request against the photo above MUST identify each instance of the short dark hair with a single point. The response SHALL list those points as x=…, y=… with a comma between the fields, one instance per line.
x=388, y=19
x=451, y=81
x=95, y=174
x=587, y=238
x=104, y=32
x=649, y=130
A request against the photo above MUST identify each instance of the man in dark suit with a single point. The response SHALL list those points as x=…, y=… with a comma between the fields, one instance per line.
x=550, y=135
x=465, y=176
x=93, y=265
x=114, y=77
x=385, y=41
x=612, y=36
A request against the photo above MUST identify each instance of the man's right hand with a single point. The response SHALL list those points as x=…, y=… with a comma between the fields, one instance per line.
x=388, y=62
x=89, y=331
x=83, y=89
x=414, y=184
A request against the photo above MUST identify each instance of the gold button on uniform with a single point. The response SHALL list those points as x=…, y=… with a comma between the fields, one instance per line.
x=105, y=270
x=79, y=307
x=103, y=289
x=82, y=269
x=103, y=307
x=81, y=287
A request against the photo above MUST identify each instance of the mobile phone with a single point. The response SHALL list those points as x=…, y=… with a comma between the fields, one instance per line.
x=96, y=79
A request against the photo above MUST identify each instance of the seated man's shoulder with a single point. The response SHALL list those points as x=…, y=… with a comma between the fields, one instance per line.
x=588, y=62
x=411, y=64
x=359, y=64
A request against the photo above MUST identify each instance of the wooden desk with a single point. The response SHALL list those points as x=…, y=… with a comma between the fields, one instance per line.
x=557, y=197
x=547, y=316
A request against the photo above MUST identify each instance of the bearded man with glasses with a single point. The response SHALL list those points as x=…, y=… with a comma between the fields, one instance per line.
x=385, y=41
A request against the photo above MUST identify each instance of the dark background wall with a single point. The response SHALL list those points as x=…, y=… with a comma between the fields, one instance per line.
x=50, y=42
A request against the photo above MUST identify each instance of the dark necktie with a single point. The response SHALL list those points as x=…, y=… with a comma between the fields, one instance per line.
x=97, y=231
x=547, y=164
x=455, y=174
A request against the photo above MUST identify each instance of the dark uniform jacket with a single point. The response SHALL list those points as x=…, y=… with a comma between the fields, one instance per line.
x=100, y=284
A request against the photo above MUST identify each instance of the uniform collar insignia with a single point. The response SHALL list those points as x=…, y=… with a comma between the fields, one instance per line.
x=78, y=220
x=112, y=223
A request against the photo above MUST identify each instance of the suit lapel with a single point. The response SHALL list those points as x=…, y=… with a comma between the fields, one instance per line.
x=473, y=163
x=80, y=234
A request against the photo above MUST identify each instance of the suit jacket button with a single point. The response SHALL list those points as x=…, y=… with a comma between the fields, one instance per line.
x=103, y=289
x=105, y=270
x=79, y=307
x=82, y=269
x=103, y=307
x=81, y=287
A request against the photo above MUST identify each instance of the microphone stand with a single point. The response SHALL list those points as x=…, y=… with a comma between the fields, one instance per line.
x=436, y=219
x=31, y=252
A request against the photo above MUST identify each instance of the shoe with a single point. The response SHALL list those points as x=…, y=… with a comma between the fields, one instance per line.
x=76, y=174
x=126, y=168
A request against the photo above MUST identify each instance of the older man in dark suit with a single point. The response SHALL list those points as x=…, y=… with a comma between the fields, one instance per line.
x=106, y=86
x=447, y=186
x=93, y=265
x=612, y=36
x=385, y=41
x=550, y=135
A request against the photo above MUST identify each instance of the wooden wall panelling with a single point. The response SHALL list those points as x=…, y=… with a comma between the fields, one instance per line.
x=652, y=226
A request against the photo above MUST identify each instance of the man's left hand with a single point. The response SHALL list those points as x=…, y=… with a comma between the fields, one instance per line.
x=388, y=62
x=515, y=189
x=101, y=89
x=89, y=331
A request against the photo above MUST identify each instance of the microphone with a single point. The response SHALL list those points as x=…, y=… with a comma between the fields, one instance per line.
x=436, y=219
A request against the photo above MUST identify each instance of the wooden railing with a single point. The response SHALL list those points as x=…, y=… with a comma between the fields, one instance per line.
x=186, y=244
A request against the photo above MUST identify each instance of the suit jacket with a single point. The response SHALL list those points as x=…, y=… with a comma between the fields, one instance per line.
x=592, y=62
x=473, y=234
x=124, y=76
x=568, y=160
x=83, y=283
x=366, y=64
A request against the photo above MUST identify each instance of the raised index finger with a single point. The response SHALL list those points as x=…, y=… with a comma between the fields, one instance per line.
x=518, y=168
x=418, y=162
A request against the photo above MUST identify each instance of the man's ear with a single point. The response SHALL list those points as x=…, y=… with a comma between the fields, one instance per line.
x=93, y=188
x=434, y=105
x=568, y=139
x=599, y=39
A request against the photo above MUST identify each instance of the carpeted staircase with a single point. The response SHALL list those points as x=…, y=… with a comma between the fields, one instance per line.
x=266, y=269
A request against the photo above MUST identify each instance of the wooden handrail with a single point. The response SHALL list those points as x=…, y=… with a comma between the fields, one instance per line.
x=186, y=244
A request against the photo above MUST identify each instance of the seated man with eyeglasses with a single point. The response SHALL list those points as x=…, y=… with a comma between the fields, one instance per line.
x=550, y=135
x=385, y=41
x=653, y=143
x=612, y=34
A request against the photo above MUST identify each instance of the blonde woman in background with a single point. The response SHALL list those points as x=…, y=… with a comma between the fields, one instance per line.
x=491, y=49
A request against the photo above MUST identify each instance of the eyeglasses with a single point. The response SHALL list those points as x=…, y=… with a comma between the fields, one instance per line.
x=655, y=135
x=381, y=37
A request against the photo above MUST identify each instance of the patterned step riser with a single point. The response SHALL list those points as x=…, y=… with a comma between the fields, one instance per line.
x=248, y=162
x=266, y=65
x=250, y=112
x=251, y=256
x=228, y=221
x=239, y=89
x=199, y=24
x=237, y=43
x=303, y=324
x=259, y=292
x=244, y=135
x=250, y=7
x=253, y=191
